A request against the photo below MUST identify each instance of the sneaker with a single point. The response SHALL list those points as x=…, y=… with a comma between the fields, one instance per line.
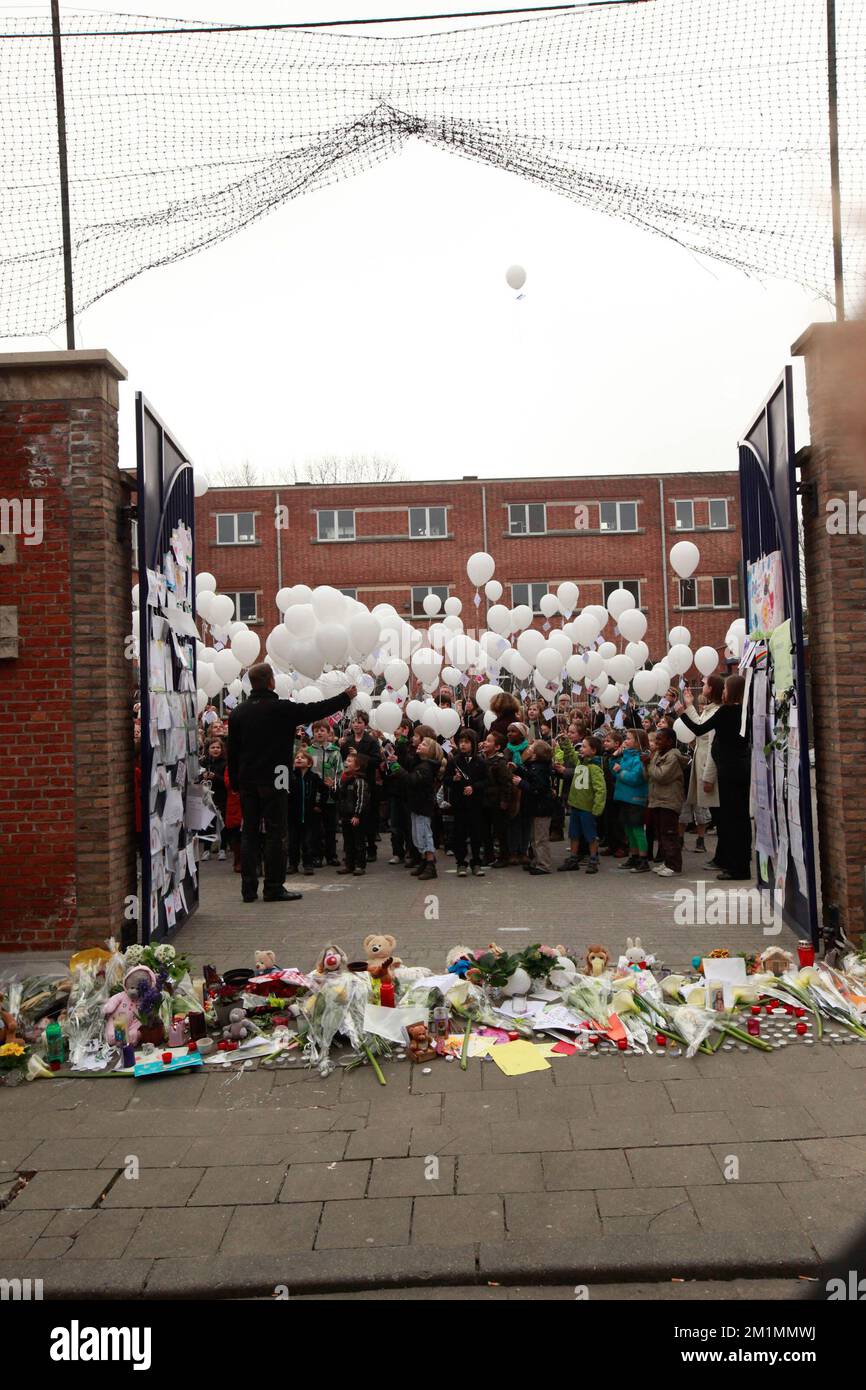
x=333, y=863
x=630, y=863
x=641, y=867
x=249, y=897
x=664, y=872
x=395, y=859
x=537, y=871
x=206, y=855
x=461, y=870
x=477, y=871
x=418, y=870
x=358, y=873
x=700, y=847
x=222, y=854
x=428, y=871
x=592, y=866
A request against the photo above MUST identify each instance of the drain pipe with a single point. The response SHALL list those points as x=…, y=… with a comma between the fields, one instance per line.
x=279, y=544
x=484, y=538
x=664, y=556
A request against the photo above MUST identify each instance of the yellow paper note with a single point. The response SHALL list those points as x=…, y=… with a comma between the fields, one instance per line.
x=546, y=1051
x=518, y=1058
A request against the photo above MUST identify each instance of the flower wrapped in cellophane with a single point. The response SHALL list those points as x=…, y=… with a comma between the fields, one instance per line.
x=336, y=1007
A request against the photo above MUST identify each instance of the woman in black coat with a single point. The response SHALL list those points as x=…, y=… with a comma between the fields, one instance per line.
x=732, y=754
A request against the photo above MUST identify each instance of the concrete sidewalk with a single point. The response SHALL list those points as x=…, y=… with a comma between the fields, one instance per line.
x=606, y=1170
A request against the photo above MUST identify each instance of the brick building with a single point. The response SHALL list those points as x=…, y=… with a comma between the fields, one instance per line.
x=395, y=542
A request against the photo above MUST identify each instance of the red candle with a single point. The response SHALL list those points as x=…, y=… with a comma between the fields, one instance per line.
x=806, y=953
x=661, y=1040
x=802, y=1028
x=755, y=1009
x=753, y=1027
x=166, y=1058
x=622, y=1044
x=801, y=1013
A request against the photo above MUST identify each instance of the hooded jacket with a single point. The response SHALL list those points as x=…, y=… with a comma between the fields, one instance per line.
x=630, y=783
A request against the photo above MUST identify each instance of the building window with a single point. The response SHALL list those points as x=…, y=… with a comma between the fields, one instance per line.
x=420, y=592
x=528, y=593
x=688, y=593
x=350, y=593
x=684, y=516
x=633, y=586
x=427, y=521
x=718, y=514
x=246, y=606
x=617, y=516
x=235, y=528
x=527, y=519
x=336, y=526
x=721, y=593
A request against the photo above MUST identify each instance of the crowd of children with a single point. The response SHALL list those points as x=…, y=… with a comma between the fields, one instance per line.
x=492, y=797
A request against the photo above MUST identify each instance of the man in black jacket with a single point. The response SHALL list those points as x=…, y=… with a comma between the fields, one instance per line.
x=260, y=743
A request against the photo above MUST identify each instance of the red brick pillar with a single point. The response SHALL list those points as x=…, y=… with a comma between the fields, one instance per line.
x=66, y=763
x=835, y=548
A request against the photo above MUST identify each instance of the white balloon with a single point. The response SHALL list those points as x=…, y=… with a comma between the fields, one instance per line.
x=585, y=628
x=453, y=606
x=332, y=639
x=561, y=642
x=479, y=568
x=593, y=666
x=279, y=643
x=493, y=643
x=619, y=602
x=364, y=631
x=307, y=658
x=499, y=619
x=452, y=622
x=246, y=646
x=226, y=666
x=683, y=732
x=284, y=599
x=521, y=616
x=204, y=604
x=312, y=694
x=135, y=595
x=548, y=664
x=575, y=669
x=300, y=620
x=685, y=558
x=493, y=590
x=609, y=697
x=679, y=636
x=679, y=659
x=621, y=668
x=431, y=603
x=205, y=583
x=437, y=635
x=484, y=694
x=200, y=699
x=414, y=710
x=632, y=624
x=363, y=701
x=521, y=669
x=200, y=483
x=663, y=679
x=706, y=660
x=489, y=718
x=451, y=676
x=389, y=717
x=209, y=681
x=302, y=593
x=600, y=613
x=222, y=610
x=448, y=722
x=328, y=604
x=426, y=664
x=530, y=643
x=644, y=683
x=638, y=651
x=607, y=650
x=396, y=672
x=515, y=277
x=546, y=689
x=601, y=681
x=549, y=605
x=567, y=595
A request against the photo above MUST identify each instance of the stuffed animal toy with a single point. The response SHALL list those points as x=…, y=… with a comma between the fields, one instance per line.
x=332, y=961
x=7, y=1027
x=379, y=951
x=124, y=1004
x=419, y=1043
x=459, y=960
x=265, y=961
x=239, y=1027
x=634, y=951
x=597, y=960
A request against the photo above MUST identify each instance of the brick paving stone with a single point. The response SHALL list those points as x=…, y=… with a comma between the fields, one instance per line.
x=694, y=1127
x=580, y=1071
x=457, y=1220
x=50, y=1247
x=69, y=1223
x=365, y=1224
x=180, y=1234
x=460, y=1138
x=737, y=1206
x=389, y=1142
x=448, y=1077
x=320, y=1148
x=234, y=1151
x=788, y=1122
x=833, y=1158
x=490, y=1105
x=408, y=1177
x=54, y=1191
x=20, y=1231
x=562, y=1103
x=406, y=1109
x=774, y=1161
x=709, y=1094
x=108, y=1236
x=323, y=1182
x=181, y=1092
x=493, y=1080
x=528, y=1215
x=680, y=1165
x=151, y=1153
x=69, y=1153
x=837, y=1119
x=253, y=1230
x=155, y=1187
x=14, y=1150
x=631, y=1098
x=588, y=1170
x=237, y=1091
x=520, y=1172
x=834, y=1204
x=235, y=1186
x=273, y=1120
x=360, y=1082
x=525, y=1137
x=592, y=1132
x=659, y=1068
x=632, y=1211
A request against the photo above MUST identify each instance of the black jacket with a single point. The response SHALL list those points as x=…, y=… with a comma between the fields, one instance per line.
x=369, y=748
x=353, y=797
x=262, y=735
x=732, y=753
x=306, y=794
x=465, y=771
x=420, y=782
x=536, y=786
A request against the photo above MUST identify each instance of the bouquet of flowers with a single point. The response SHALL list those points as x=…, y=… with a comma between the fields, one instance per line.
x=337, y=1006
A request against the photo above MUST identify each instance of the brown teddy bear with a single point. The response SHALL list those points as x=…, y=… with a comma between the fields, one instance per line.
x=419, y=1043
x=379, y=951
x=597, y=960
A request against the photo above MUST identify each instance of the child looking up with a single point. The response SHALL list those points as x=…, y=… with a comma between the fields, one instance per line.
x=465, y=781
x=353, y=800
x=631, y=789
x=586, y=799
x=535, y=780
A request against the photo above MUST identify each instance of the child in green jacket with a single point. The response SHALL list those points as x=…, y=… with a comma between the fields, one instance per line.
x=586, y=799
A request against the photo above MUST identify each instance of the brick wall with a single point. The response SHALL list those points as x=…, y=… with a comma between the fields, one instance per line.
x=382, y=564
x=835, y=356
x=66, y=762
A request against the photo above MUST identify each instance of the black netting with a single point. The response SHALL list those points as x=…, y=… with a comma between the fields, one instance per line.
x=701, y=120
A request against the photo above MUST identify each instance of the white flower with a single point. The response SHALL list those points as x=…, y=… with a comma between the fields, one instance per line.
x=133, y=956
x=165, y=954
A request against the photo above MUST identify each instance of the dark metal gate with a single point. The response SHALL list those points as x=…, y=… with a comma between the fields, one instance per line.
x=768, y=509
x=167, y=666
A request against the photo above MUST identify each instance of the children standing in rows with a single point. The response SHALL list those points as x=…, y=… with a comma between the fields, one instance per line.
x=498, y=796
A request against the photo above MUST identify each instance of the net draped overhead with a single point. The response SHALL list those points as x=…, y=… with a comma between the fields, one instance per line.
x=702, y=122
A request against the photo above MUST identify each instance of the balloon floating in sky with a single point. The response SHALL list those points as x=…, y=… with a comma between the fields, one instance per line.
x=515, y=276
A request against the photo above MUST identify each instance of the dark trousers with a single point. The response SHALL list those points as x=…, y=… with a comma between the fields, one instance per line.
x=324, y=833
x=400, y=825
x=269, y=806
x=354, y=844
x=467, y=830
x=498, y=823
x=667, y=824
x=301, y=846
x=734, y=851
x=371, y=820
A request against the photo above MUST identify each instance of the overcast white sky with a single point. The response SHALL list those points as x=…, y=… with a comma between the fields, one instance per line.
x=374, y=317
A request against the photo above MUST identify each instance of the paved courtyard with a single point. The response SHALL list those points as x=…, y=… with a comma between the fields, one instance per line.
x=605, y=1171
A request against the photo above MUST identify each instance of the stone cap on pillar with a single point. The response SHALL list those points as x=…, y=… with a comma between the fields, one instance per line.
x=818, y=337
x=82, y=374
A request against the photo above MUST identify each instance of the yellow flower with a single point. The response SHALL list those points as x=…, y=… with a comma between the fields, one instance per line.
x=11, y=1049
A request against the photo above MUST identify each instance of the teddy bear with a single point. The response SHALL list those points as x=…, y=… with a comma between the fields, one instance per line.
x=419, y=1048
x=239, y=1027
x=124, y=1004
x=379, y=951
x=265, y=961
x=597, y=960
